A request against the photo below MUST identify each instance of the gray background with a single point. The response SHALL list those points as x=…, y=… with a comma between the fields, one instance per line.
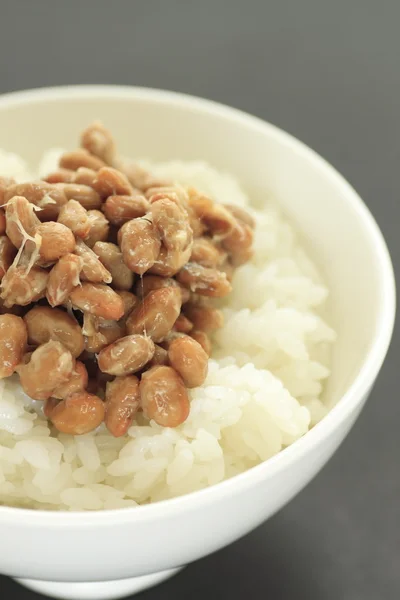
x=328, y=72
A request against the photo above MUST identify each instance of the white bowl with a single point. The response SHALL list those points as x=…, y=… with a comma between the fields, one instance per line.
x=154, y=540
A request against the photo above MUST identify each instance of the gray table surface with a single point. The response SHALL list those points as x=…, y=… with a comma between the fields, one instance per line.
x=328, y=72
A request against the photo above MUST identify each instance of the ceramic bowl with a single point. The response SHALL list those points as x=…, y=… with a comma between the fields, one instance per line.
x=109, y=554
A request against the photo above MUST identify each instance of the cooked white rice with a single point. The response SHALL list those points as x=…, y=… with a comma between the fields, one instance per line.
x=262, y=393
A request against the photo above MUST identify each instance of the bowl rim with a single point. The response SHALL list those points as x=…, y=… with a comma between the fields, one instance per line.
x=349, y=401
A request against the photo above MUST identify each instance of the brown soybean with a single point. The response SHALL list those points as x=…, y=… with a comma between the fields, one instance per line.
x=111, y=182
x=127, y=355
x=111, y=257
x=13, y=340
x=7, y=254
x=140, y=245
x=122, y=403
x=156, y=315
x=99, y=228
x=80, y=158
x=21, y=287
x=84, y=194
x=76, y=383
x=75, y=217
x=78, y=414
x=188, y=359
x=205, y=318
x=97, y=140
x=56, y=241
x=202, y=338
x=47, y=197
x=98, y=299
x=44, y=323
x=63, y=278
x=93, y=269
x=50, y=366
x=121, y=209
x=204, y=281
x=164, y=397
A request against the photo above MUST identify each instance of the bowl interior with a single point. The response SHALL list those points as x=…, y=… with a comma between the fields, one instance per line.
x=266, y=161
